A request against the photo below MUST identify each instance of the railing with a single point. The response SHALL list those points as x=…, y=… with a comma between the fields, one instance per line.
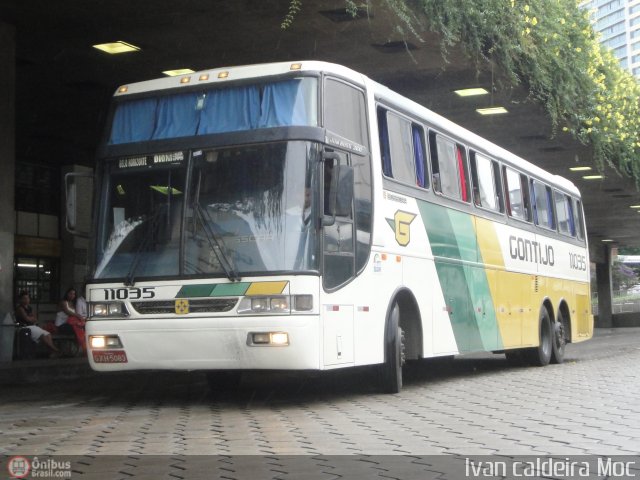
x=622, y=302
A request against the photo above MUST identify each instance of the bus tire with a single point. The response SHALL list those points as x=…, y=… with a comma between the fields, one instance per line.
x=221, y=380
x=559, y=339
x=541, y=355
x=391, y=370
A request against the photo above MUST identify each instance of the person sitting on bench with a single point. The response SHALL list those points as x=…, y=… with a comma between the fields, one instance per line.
x=27, y=319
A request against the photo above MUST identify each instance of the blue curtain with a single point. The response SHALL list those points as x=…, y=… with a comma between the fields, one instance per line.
x=418, y=155
x=283, y=104
x=134, y=121
x=384, y=142
x=230, y=110
x=177, y=116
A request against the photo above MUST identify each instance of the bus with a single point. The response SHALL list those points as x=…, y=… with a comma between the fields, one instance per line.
x=300, y=216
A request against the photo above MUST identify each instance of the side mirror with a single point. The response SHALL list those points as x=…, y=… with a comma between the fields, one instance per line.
x=71, y=202
x=338, y=189
x=344, y=191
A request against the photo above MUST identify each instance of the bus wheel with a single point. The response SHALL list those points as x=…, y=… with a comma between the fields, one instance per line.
x=220, y=380
x=541, y=355
x=559, y=340
x=391, y=369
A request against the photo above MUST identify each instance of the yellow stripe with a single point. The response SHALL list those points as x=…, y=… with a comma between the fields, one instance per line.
x=517, y=297
x=266, y=288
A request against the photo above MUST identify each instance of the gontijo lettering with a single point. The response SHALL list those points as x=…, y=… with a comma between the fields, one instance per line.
x=530, y=251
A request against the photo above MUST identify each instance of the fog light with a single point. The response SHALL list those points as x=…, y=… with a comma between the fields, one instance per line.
x=105, y=341
x=280, y=338
x=276, y=339
x=260, y=338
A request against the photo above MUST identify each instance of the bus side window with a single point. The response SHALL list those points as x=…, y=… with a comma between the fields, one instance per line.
x=401, y=148
x=564, y=213
x=578, y=218
x=542, y=205
x=517, y=197
x=485, y=178
x=385, y=152
x=449, y=167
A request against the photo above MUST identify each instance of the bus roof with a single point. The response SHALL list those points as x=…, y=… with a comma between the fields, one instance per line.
x=245, y=72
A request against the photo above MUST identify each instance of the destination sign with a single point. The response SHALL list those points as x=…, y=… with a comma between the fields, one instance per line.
x=151, y=160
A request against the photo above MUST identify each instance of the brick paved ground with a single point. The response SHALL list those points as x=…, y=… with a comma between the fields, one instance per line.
x=474, y=406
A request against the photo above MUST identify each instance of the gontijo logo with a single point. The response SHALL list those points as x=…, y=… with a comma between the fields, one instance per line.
x=400, y=223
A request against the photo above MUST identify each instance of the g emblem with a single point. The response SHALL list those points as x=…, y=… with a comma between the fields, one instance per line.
x=400, y=224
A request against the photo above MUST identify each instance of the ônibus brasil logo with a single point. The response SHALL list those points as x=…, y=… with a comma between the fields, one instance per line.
x=18, y=467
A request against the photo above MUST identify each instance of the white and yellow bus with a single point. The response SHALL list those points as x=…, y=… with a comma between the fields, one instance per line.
x=299, y=216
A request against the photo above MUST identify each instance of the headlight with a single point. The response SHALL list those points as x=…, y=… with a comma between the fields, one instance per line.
x=110, y=309
x=276, y=304
x=104, y=341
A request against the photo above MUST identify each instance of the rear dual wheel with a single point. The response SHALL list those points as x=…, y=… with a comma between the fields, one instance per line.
x=559, y=339
x=541, y=355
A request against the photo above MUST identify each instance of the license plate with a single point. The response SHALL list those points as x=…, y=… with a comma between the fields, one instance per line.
x=110, y=356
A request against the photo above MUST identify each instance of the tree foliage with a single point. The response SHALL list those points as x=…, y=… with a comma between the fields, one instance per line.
x=550, y=48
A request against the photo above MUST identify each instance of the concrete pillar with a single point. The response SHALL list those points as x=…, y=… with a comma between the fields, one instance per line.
x=605, y=289
x=7, y=165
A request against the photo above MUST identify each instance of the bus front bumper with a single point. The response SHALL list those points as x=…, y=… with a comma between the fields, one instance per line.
x=239, y=343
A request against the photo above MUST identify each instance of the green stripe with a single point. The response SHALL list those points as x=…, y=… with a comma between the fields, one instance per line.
x=464, y=283
x=230, y=289
x=213, y=290
x=190, y=291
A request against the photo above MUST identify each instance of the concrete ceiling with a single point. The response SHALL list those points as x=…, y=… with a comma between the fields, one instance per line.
x=64, y=85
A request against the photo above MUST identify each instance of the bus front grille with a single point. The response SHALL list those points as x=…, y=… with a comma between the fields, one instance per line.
x=209, y=305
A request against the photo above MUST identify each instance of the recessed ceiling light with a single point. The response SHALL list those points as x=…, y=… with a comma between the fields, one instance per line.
x=491, y=111
x=607, y=240
x=580, y=169
x=593, y=177
x=634, y=206
x=470, y=92
x=116, y=47
x=178, y=71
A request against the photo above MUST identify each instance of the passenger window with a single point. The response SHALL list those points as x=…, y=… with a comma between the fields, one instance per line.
x=449, y=168
x=485, y=177
x=578, y=218
x=542, y=205
x=517, y=196
x=401, y=149
x=564, y=212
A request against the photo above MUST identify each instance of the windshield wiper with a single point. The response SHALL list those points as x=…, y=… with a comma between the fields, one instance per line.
x=151, y=226
x=215, y=243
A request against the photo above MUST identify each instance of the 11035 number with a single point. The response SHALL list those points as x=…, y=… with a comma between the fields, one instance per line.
x=131, y=293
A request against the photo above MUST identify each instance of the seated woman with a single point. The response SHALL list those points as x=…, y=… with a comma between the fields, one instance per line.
x=27, y=319
x=67, y=317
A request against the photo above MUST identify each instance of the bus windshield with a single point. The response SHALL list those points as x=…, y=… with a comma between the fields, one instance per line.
x=248, y=211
